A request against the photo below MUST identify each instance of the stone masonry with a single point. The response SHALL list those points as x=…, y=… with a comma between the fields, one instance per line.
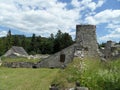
x=111, y=50
x=59, y=59
x=86, y=40
x=85, y=46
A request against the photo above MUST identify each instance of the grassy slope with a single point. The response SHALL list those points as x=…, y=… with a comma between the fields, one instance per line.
x=26, y=79
x=91, y=73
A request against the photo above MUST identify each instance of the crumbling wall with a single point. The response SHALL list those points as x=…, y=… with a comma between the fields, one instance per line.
x=86, y=39
x=85, y=46
x=59, y=59
x=18, y=64
x=111, y=50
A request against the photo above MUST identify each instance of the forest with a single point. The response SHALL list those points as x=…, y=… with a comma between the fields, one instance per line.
x=36, y=44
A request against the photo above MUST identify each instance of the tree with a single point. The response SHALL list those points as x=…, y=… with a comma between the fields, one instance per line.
x=1, y=47
x=57, y=41
x=102, y=45
x=38, y=44
x=8, y=40
x=66, y=40
x=33, y=45
x=23, y=42
x=15, y=40
x=51, y=36
x=61, y=41
x=51, y=43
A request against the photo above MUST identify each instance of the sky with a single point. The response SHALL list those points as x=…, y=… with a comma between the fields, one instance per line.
x=44, y=17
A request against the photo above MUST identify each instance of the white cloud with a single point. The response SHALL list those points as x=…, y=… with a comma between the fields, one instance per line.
x=113, y=32
x=106, y=16
x=92, y=6
x=87, y=4
x=75, y=3
x=43, y=17
x=109, y=17
x=38, y=16
x=100, y=3
x=3, y=33
x=113, y=35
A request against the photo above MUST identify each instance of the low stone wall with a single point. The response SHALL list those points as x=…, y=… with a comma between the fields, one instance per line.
x=19, y=64
x=77, y=87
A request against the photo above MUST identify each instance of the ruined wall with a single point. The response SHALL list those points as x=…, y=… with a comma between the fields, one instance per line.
x=85, y=46
x=18, y=64
x=108, y=48
x=111, y=50
x=86, y=39
x=59, y=59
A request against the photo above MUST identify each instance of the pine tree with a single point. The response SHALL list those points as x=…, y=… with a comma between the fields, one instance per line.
x=8, y=40
x=15, y=40
x=33, y=45
x=23, y=42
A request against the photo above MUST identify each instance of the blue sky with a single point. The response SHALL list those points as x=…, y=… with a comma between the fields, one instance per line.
x=44, y=17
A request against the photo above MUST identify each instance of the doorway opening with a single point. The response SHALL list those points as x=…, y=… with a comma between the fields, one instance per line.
x=62, y=58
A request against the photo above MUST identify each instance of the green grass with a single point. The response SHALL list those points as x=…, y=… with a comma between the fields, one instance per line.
x=19, y=59
x=91, y=73
x=26, y=79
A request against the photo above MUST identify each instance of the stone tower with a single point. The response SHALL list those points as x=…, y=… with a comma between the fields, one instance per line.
x=109, y=48
x=86, y=40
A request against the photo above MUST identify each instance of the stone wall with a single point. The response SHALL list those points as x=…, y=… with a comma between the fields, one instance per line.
x=18, y=64
x=111, y=50
x=59, y=59
x=85, y=46
x=86, y=39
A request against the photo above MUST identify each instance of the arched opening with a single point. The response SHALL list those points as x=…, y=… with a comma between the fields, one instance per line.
x=34, y=66
x=62, y=58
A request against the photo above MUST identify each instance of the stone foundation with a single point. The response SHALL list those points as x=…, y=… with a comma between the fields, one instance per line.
x=18, y=64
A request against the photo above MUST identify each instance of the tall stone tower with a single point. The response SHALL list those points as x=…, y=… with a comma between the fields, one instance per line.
x=86, y=40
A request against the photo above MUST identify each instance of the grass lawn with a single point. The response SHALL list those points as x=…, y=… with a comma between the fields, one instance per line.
x=19, y=59
x=26, y=79
x=91, y=73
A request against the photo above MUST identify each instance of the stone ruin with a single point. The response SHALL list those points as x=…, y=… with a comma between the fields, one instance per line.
x=110, y=51
x=16, y=51
x=85, y=46
x=77, y=87
x=86, y=40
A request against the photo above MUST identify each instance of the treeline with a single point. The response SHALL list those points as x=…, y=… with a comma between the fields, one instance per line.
x=36, y=44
